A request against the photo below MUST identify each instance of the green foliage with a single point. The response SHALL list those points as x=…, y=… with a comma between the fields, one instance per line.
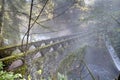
x=62, y=77
x=67, y=62
x=59, y=77
x=22, y=70
x=1, y=66
x=4, y=75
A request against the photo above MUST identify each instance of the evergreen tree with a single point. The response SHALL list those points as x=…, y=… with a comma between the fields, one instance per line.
x=10, y=13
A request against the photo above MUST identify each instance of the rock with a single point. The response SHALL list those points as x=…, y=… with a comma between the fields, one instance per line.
x=16, y=52
x=15, y=64
x=37, y=55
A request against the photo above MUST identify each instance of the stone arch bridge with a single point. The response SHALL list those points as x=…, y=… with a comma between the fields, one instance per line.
x=65, y=54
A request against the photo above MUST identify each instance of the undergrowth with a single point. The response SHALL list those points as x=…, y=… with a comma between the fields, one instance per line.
x=4, y=75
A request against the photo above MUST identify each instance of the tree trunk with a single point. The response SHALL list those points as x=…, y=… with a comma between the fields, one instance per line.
x=1, y=25
x=1, y=22
x=2, y=16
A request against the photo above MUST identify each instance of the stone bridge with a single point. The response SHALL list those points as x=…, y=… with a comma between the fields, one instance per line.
x=62, y=54
x=44, y=45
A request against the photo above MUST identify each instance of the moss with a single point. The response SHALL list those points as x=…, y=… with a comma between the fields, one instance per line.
x=22, y=70
x=12, y=57
x=7, y=63
x=39, y=61
x=30, y=51
x=67, y=62
x=56, y=54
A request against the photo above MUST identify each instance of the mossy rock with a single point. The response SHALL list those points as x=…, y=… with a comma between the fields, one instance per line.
x=21, y=70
